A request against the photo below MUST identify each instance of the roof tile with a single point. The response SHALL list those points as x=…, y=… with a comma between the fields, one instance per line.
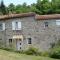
x=46, y=17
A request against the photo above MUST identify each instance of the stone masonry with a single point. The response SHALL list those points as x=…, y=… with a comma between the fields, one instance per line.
x=42, y=37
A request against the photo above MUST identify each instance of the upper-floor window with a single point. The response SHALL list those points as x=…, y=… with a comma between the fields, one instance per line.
x=57, y=22
x=46, y=24
x=2, y=26
x=16, y=25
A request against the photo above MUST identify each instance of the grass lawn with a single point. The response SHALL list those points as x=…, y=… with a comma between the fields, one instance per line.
x=5, y=55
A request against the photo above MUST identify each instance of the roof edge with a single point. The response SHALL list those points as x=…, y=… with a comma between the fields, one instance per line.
x=46, y=17
x=37, y=17
x=9, y=16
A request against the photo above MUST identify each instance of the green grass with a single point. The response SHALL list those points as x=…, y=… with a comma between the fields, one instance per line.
x=6, y=55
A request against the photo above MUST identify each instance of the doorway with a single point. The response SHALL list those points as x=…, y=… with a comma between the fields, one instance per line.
x=19, y=44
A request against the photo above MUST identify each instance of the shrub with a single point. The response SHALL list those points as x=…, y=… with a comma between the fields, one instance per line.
x=52, y=45
x=55, y=52
x=45, y=54
x=22, y=52
x=32, y=51
x=7, y=49
x=12, y=50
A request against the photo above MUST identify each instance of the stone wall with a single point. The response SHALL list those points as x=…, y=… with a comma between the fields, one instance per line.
x=41, y=36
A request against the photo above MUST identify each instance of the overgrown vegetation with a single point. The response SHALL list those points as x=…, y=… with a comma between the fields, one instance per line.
x=32, y=51
x=55, y=51
x=6, y=55
x=41, y=7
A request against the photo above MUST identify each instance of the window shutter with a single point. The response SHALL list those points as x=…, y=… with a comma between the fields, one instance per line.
x=19, y=25
x=3, y=26
x=13, y=25
x=57, y=22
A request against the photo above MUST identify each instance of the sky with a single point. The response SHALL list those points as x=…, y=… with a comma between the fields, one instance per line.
x=15, y=2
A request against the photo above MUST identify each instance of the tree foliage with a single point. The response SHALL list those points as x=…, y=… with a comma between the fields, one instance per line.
x=41, y=7
x=3, y=9
x=11, y=8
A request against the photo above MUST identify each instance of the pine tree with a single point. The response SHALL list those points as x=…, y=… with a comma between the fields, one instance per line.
x=3, y=8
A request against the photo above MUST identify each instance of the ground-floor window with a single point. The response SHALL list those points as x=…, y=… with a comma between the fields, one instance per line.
x=0, y=39
x=10, y=40
x=20, y=47
x=29, y=41
x=20, y=43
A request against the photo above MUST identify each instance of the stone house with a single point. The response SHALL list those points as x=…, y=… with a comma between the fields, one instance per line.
x=21, y=31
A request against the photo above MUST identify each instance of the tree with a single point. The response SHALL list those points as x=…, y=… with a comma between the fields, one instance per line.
x=33, y=7
x=55, y=4
x=3, y=8
x=18, y=9
x=43, y=7
x=23, y=8
x=11, y=8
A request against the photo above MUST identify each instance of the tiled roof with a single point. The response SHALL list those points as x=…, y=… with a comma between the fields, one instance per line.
x=37, y=17
x=3, y=17
x=46, y=17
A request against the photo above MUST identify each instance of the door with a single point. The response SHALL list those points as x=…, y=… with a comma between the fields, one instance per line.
x=19, y=44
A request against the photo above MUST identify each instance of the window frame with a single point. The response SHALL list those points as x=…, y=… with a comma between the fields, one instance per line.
x=58, y=22
x=29, y=41
x=16, y=26
x=46, y=24
x=10, y=40
x=3, y=26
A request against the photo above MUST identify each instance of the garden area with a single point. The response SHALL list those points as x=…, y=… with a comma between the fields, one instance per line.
x=7, y=55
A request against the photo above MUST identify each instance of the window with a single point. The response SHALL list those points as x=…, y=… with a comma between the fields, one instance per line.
x=20, y=43
x=0, y=39
x=10, y=40
x=20, y=47
x=57, y=22
x=2, y=26
x=29, y=40
x=46, y=24
x=16, y=25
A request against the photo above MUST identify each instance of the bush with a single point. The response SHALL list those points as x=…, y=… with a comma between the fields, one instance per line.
x=32, y=51
x=7, y=49
x=12, y=50
x=20, y=52
x=55, y=52
x=45, y=54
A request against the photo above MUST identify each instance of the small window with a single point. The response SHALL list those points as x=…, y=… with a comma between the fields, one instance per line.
x=1, y=26
x=20, y=43
x=10, y=40
x=46, y=24
x=0, y=39
x=29, y=40
x=20, y=47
